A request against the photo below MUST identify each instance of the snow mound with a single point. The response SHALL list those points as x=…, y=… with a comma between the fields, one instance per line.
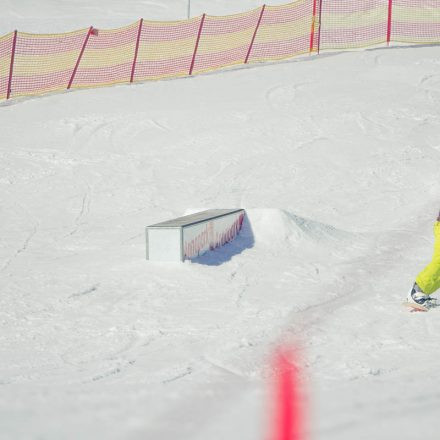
x=277, y=227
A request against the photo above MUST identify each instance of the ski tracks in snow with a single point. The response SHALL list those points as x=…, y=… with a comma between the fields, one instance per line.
x=20, y=250
x=119, y=131
x=83, y=212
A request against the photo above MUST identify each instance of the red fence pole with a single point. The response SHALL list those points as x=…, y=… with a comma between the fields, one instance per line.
x=312, y=31
x=197, y=44
x=255, y=34
x=390, y=15
x=320, y=21
x=80, y=56
x=11, y=67
x=136, y=50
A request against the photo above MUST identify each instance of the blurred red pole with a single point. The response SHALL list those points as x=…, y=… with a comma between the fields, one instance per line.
x=133, y=67
x=80, y=56
x=11, y=67
x=255, y=34
x=197, y=44
x=390, y=15
x=320, y=22
x=312, y=31
x=288, y=417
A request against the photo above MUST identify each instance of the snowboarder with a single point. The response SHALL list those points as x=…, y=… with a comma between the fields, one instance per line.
x=428, y=280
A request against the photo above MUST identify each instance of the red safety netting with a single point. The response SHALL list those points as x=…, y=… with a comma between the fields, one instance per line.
x=350, y=24
x=416, y=21
x=34, y=64
x=107, y=58
x=44, y=63
x=286, y=31
x=225, y=41
x=166, y=49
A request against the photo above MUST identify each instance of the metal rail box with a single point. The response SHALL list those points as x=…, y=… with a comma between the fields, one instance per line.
x=192, y=235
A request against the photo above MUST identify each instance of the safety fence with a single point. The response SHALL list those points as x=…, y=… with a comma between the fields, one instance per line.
x=34, y=64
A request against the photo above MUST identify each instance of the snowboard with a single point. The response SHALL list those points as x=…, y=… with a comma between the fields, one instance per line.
x=415, y=307
x=419, y=308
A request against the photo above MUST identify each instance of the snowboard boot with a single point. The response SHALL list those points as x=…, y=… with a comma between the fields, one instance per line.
x=417, y=297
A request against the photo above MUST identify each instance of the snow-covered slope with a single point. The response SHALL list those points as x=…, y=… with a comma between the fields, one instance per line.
x=336, y=159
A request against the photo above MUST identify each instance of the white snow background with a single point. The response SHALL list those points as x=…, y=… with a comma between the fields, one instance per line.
x=336, y=159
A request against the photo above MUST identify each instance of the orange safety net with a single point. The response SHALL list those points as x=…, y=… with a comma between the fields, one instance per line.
x=44, y=63
x=225, y=41
x=166, y=49
x=32, y=64
x=350, y=24
x=107, y=58
x=416, y=21
x=285, y=31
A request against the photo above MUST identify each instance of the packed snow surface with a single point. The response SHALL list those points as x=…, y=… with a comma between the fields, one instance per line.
x=336, y=159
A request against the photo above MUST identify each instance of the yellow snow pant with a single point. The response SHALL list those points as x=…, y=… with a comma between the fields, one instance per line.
x=429, y=278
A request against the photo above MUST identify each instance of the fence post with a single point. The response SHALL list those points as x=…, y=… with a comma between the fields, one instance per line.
x=133, y=67
x=197, y=44
x=11, y=67
x=255, y=34
x=390, y=16
x=312, y=31
x=80, y=56
x=320, y=22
